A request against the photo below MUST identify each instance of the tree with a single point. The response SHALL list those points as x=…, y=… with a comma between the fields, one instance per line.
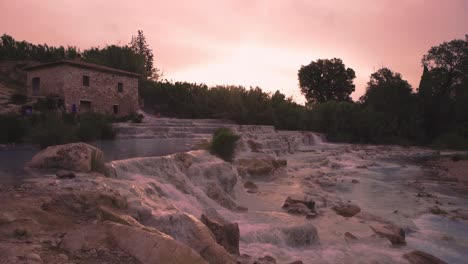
x=386, y=90
x=443, y=87
x=390, y=97
x=123, y=58
x=326, y=80
x=139, y=46
x=449, y=61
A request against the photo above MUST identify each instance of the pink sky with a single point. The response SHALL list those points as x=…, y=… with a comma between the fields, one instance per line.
x=249, y=42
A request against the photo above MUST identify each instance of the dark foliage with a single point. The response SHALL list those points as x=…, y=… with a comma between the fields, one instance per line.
x=223, y=143
x=326, y=80
x=10, y=49
x=12, y=128
x=245, y=106
x=18, y=98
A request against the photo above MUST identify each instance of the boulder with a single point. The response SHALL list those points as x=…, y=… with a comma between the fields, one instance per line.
x=259, y=166
x=347, y=209
x=301, y=236
x=300, y=206
x=349, y=236
x=79, y=157
x=226, y=234
x=251, y=187
x=266, y=260
x=393, y=233
x=298, y=209
x=63, y=174
x=190, y=231
x=290, y=201
x=354, y=181
x=419, y=257
x=148, y=245
x=151, y=247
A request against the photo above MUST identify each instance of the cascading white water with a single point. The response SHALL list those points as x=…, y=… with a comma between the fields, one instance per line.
x=184, y=186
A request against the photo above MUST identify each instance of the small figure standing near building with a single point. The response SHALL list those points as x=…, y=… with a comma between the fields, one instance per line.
x=73, y=111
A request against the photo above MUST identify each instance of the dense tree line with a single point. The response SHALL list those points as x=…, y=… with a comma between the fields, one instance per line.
x=390, y=112
x=245, y=106
x=137, y=57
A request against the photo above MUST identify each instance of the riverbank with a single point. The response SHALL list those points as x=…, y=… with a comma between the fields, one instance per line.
x=347, y=204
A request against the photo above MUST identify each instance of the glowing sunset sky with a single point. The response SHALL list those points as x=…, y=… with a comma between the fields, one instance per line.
x=251, y=43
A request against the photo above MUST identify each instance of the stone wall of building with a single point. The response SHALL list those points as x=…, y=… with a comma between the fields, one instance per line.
x=67, y=82
x=51, y=81
x=102, y=90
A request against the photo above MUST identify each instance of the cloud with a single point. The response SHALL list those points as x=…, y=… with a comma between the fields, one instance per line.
x=254, y=42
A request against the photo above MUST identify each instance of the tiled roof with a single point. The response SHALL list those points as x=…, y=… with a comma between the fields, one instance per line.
x=82, y=64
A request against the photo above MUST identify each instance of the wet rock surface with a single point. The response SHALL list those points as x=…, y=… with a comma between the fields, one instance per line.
x=396, y=235
x=63, y=174
x=226, y=234
x=78, y=157
x=299, y=206
x=419, y=257
x=347, y=209
x=160, y=201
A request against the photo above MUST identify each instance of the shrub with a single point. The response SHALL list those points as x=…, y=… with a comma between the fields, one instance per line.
x=224, y=143
x=94, y=126
x=450, y=141
x=136, y=118
x=12, y=128
x=18, y=98
x=51, y=130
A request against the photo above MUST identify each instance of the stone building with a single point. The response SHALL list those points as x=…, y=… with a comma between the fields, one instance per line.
x=85, y=86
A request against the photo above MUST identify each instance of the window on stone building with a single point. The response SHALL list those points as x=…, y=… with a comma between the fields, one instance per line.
x=116, y=109
x=120, y=87
x=36, y=85
x=85, y=80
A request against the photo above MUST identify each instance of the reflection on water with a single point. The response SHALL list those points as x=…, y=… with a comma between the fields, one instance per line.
x=12, y=160
x=131, y=148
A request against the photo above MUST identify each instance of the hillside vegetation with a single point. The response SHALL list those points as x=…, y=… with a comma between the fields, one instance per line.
x=390, y=112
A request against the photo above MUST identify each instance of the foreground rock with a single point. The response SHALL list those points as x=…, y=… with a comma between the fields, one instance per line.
x=146, y=245
x=347, y=209
x=226, y=234
x=349, y=236
x=251, y=187
x=63, y=174
x=79, y=157
x=192, y=232
x=419, y=257
x=259, y=166
x=266, y=260
x=299, y=206
x=393, y=233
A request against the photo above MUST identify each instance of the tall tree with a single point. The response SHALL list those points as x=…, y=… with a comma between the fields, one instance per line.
x=139, y=46
x=326, y=80
x=444, y=86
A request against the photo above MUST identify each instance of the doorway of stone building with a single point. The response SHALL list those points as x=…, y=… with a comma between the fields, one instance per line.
x=116, y=109
x=85, y=106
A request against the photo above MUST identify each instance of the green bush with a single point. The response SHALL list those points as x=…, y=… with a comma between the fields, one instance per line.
x=12, y=128
x=50, y=130
x=450, y=141
x=136, y=118
x=224, y=143
x=18, y=98
x=94, y=126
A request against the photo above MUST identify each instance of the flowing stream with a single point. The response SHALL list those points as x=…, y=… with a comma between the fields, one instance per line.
x=324, y=172
x=384, y=182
